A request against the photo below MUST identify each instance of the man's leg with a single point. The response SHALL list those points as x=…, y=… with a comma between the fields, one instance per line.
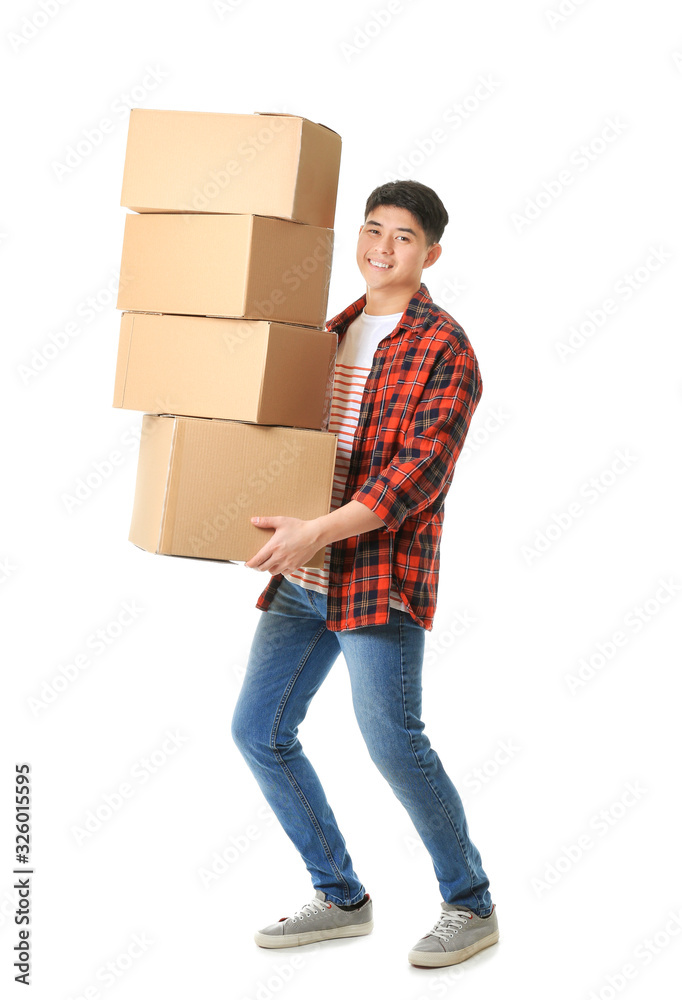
x=385, y=666
x=291, y=654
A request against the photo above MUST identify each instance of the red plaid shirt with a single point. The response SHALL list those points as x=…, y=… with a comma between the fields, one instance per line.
x=418, y=401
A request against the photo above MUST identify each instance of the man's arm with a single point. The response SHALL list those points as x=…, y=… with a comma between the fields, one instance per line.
x=353, y=518
x=424, y=466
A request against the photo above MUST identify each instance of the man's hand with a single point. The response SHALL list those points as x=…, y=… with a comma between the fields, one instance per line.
x=293, y=542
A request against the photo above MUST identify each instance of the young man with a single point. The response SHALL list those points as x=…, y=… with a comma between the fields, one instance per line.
x=405, y=388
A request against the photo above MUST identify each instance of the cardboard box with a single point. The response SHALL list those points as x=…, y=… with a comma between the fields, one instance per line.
x=252, y=370
x=261, y=164
x=243, y=266
x=200, y=481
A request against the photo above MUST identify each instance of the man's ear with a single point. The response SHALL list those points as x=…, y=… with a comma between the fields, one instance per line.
x=432, y=256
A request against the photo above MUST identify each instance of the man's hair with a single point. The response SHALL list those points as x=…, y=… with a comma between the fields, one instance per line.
x=418, y=199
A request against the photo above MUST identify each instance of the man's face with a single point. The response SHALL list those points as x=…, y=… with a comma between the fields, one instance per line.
x=392, y=250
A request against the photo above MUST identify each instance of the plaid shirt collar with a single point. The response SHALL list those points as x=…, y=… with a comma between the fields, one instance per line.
x=420, y=305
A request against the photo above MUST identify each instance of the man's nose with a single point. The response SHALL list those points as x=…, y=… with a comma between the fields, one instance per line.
x=384, y=244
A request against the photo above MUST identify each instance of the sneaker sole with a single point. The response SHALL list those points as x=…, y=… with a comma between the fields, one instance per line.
x=433, y=959
x=309, y=937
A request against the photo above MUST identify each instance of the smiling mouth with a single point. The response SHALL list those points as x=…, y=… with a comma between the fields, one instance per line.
x=376, y=263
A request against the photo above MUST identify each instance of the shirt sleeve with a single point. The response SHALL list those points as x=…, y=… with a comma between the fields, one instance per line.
x=424, y=466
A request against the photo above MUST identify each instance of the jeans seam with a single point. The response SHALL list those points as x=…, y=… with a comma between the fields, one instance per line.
x=418, y=762
x=290, y=777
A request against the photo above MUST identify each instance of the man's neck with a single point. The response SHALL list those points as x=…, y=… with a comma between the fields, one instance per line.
x=380, y=303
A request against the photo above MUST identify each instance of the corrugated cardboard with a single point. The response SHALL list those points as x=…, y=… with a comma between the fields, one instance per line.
x=200, y=481
x=243, y=266
x=200, y=161
x=267, y=373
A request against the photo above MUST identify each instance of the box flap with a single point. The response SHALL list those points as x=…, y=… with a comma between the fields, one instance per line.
x=289, y=114
x=156, y=445
x=123, y=358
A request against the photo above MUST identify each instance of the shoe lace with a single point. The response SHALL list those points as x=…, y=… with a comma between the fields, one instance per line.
x=449, y=921
x=310, y=909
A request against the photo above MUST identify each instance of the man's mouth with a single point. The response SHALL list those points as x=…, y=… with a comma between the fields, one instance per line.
x=379, y=264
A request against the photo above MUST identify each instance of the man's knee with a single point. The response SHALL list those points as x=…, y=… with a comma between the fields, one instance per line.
x=394, y=749
x=386, y=746
x=244, y=733
x=252, y=732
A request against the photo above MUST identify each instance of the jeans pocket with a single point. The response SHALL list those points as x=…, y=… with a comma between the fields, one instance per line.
x=292, y=600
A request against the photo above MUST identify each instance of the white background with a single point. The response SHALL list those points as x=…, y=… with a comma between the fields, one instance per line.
x=570, y=923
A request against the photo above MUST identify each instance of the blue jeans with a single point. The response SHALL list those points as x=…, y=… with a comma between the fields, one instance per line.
x=291, y=654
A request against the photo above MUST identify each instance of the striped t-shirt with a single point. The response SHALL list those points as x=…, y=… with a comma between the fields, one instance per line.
x=353, y=364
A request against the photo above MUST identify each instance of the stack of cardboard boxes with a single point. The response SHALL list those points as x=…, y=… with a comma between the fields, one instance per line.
x=224, y=281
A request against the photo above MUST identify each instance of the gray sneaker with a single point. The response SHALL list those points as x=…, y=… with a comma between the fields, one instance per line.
x=317, y=920
x=457, y=935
